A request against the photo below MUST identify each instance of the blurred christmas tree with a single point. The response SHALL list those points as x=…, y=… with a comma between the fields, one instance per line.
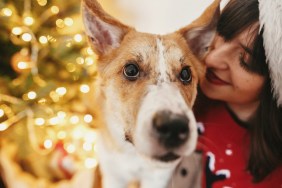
x=45, y=71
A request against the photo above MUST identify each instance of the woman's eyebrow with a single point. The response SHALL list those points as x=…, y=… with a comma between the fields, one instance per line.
x=246, y=48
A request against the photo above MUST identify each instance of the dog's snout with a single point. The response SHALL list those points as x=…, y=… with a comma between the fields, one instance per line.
x=172, y=129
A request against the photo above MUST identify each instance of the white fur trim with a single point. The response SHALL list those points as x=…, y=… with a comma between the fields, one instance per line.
x=271, y=19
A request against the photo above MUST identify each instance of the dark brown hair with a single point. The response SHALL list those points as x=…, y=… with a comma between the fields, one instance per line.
x=265, y=149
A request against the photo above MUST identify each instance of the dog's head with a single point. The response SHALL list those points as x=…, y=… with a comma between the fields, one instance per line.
x=147, y=83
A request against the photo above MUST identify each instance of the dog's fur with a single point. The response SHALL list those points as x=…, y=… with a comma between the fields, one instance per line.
x=146, y=123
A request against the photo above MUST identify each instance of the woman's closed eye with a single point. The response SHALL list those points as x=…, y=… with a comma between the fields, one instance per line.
x=244, y=58
x=243, y=61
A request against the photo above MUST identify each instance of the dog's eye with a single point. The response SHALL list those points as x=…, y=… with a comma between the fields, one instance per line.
x=185, y=75
x=131, y=71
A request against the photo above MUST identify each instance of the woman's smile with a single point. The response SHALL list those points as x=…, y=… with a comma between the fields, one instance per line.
x=214, y=79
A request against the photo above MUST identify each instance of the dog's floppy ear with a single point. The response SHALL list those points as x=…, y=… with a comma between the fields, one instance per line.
x=200, y=33
x=104, y=32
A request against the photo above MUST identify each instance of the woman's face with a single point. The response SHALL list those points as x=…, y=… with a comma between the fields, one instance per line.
x=228, y=76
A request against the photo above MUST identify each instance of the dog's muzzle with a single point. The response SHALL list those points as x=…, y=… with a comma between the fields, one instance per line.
x=171, y=129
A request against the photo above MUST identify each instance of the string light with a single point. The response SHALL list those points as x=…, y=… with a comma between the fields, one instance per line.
x=60, y=23
x=87, y=146
x=80, y=60
x=26, y=37
x=84, y=88
x=90, y=51
x=42, y=2
x=31, y=95
x=61, y=114
x=7, y=12
x=74, y=119
x=28, y=20
x=17, y=30
x=1, y=112
x=23, y=65
x=3, y=126
x=43, y=40
x=71, y=67
x=89, y=61
x=55, y=9
x=70, y=148
x=61, y=91
x=78, y=38
x=48, y=144
x=88, y=118
x=39, y=121
x=54, y=121
x=68, y=21
x=61, y=135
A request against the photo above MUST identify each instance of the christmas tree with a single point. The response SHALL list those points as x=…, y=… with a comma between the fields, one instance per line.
x=46, y=133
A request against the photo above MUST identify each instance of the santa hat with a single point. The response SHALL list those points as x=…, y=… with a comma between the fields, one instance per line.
x=271, y=20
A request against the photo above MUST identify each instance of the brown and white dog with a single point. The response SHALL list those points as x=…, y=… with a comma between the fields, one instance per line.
x=144, y=93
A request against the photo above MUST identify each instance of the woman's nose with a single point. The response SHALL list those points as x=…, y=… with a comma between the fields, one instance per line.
x=218, y=55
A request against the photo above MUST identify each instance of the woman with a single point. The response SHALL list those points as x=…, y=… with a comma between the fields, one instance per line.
x=239, y=104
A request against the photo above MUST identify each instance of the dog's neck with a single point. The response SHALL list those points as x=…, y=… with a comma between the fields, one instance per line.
x=129, y=166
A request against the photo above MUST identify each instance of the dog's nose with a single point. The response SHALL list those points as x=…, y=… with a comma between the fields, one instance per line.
x=172, y=129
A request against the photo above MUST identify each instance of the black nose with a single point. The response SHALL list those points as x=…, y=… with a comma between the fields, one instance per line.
x=172, y=129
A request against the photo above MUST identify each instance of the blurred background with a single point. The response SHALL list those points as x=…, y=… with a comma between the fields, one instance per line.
x=47, y=135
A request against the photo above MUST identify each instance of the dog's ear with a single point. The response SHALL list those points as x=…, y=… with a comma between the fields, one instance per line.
x=104, y=32
x=200, y=33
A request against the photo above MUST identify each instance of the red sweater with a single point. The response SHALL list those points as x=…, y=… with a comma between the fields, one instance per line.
x=224, y=143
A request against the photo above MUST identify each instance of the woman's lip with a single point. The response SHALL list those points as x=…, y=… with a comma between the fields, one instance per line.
x=213, y=78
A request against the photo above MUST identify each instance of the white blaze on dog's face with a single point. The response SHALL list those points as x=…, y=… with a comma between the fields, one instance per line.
x=166, y=127
x=147, y=83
